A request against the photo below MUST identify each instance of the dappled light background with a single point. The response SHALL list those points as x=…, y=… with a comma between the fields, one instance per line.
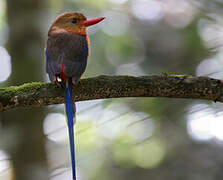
x=126, y=138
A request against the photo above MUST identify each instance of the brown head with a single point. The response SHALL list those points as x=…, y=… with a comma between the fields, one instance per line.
x=72, y=22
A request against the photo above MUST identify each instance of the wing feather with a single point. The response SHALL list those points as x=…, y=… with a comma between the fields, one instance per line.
x=69, y=49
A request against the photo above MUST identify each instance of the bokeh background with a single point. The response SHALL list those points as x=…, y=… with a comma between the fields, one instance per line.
x=126, y=138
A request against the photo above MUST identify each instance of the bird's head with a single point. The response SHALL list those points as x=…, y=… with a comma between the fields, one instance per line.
x=73, y=22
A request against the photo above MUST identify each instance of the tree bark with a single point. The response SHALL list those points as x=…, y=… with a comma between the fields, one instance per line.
x=102, y=87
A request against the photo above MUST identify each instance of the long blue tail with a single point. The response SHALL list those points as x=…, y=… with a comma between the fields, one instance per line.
x=70, y=121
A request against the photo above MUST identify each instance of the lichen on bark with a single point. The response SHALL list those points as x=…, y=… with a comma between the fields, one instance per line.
x=102, y=87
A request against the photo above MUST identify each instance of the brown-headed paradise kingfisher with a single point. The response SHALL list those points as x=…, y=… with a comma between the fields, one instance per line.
x=66, y=60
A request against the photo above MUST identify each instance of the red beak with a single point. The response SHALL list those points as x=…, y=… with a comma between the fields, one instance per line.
x=91, y=22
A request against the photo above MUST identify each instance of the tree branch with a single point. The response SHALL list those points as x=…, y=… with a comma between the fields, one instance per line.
x=101, y=87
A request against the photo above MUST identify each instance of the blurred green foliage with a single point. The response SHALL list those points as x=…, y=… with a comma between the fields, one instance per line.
x=138, y=37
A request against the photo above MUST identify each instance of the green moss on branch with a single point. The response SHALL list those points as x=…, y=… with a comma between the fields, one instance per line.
x=101, y=87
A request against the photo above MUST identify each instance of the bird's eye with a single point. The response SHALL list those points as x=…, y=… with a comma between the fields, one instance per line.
x=74, y=20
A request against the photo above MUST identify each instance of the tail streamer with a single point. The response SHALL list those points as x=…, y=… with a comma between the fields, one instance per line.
x=70, y=121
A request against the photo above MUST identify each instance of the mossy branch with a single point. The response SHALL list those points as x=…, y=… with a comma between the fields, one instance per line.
x=102, y=87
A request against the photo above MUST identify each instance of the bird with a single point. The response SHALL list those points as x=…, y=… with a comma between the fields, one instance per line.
x=67, y=51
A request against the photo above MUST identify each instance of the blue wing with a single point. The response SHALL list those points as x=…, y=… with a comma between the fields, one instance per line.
x=52, y=67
